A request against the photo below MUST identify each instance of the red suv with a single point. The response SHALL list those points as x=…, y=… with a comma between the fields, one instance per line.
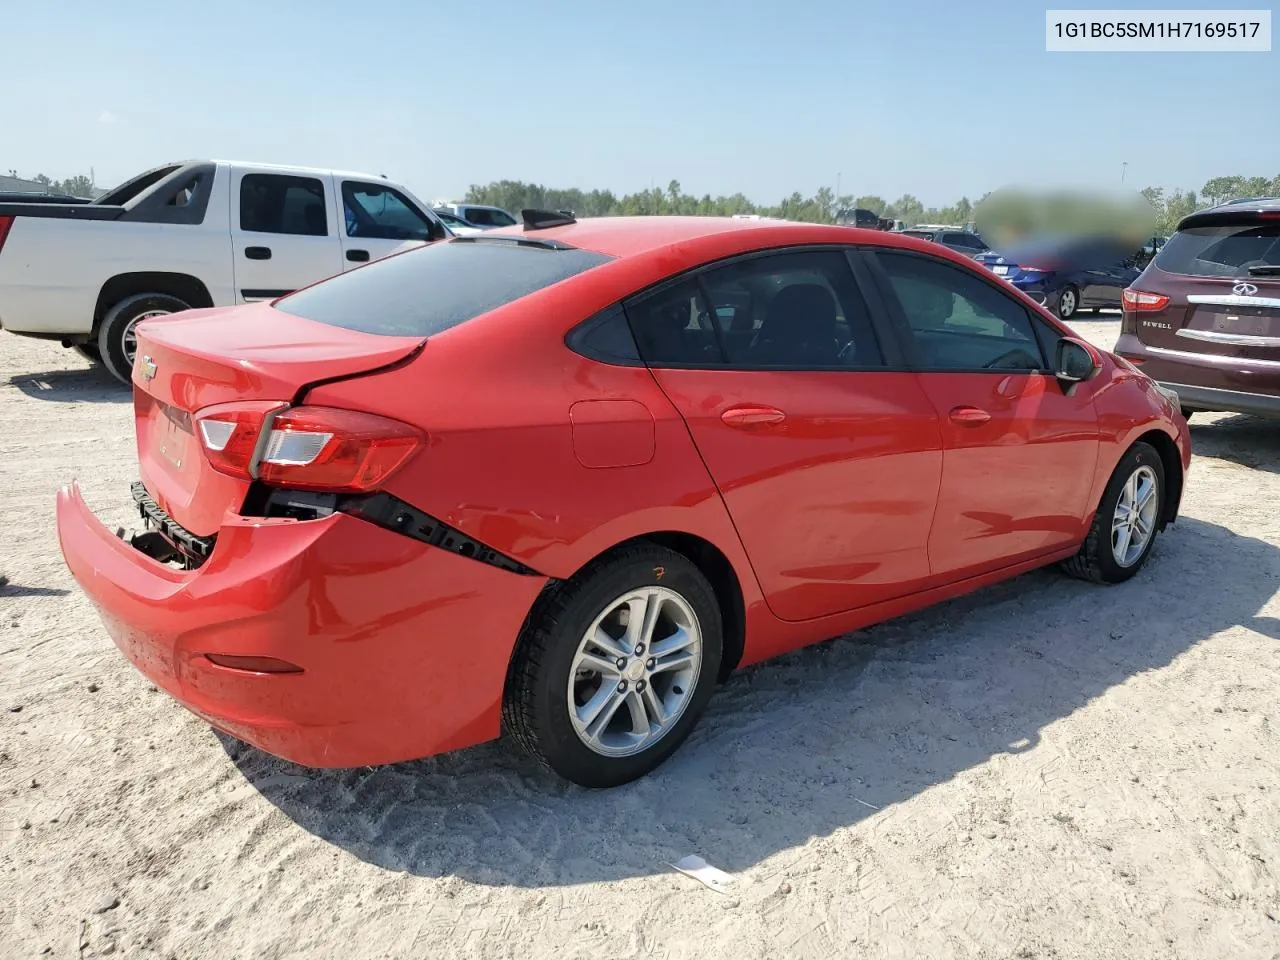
x=1203, y=319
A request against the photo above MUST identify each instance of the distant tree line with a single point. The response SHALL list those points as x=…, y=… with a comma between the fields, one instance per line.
x=824, y=206
x=79, y=186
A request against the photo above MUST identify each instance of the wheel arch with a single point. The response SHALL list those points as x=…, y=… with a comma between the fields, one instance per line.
x=712, y=562
x=1173, y=475
x=187, y=288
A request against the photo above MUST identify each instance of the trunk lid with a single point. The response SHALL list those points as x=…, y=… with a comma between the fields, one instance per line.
x=199, y=358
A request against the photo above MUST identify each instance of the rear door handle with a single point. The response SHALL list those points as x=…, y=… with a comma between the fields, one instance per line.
x=969, y=416
x=258, y=253
x=358, y=256
x=752, y=416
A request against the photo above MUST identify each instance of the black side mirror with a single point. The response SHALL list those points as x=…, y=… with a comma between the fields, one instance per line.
x=1074, y=362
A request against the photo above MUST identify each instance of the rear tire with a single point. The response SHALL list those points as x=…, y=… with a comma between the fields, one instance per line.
x=588, y=682
x=116, y=338
x=1132, y=506
x=1068, y=302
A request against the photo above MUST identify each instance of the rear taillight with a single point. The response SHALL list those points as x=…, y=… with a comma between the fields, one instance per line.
x=322, y=448
x=6, y=224
x=1143, y=302
x=307, y=448
x=229, y=434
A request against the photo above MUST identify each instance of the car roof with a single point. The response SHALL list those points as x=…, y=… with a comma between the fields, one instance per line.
x=290, y=168
x=1261, y=203
x=1234, y=213
x=1232, y=203
x=633, y=236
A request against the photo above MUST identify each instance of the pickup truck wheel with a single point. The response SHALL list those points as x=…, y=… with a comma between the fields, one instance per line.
x=116, y=338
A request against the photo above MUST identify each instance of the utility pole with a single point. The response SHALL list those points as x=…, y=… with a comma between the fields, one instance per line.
x=1124, y=166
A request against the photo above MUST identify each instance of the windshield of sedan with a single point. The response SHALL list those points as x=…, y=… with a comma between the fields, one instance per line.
x=1225, y=251
x=428, y=290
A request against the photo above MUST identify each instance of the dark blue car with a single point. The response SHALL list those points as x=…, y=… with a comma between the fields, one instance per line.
x=1067, y=276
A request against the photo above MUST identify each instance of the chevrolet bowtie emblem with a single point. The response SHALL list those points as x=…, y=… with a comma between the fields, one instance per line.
x=147, y=368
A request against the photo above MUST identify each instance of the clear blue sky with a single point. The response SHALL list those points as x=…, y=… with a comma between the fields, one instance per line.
x=935, y=98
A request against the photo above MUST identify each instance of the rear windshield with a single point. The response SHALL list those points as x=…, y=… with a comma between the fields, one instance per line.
x=920, y=234
x=1221, y=251
x=427, y=291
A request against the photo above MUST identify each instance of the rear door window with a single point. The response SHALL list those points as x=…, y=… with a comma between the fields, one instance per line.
x=430, y=289
x=1225, y=251
x=274, y=203
x=794, y=311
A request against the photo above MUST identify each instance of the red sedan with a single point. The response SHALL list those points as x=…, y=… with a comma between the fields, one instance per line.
x=561, y=479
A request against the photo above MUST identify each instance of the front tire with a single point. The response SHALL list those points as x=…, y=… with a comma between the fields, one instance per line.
x=1127, y=522
x=615, y=666
x=117, y=340
x=1068, y=302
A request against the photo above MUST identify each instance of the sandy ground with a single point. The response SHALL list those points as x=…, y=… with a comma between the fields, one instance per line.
x=1045, y=769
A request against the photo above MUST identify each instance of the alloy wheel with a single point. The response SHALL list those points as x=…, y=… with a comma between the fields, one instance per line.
x=1134, y=522
x=635, y=671
x=129, y=339
x=1067, y=302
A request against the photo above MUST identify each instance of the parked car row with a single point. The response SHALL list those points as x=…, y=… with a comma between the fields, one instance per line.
x=1067, y=276
x=958, y=239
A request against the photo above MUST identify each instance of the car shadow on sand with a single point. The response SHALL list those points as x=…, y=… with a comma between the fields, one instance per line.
x=1252, y=442
x=85, y=385
x=800, y=746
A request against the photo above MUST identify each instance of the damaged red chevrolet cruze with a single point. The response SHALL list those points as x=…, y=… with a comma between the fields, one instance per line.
x=561, y=479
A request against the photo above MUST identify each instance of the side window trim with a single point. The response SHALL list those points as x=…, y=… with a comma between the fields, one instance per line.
x=895, y=358
x=902, y=328
x=708, y=305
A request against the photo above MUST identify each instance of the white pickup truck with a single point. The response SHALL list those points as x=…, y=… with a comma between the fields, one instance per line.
x=186, y=235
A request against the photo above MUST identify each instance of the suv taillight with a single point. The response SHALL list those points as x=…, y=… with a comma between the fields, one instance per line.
x=1143, y=302
x=305, y=448
x=6, y=224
